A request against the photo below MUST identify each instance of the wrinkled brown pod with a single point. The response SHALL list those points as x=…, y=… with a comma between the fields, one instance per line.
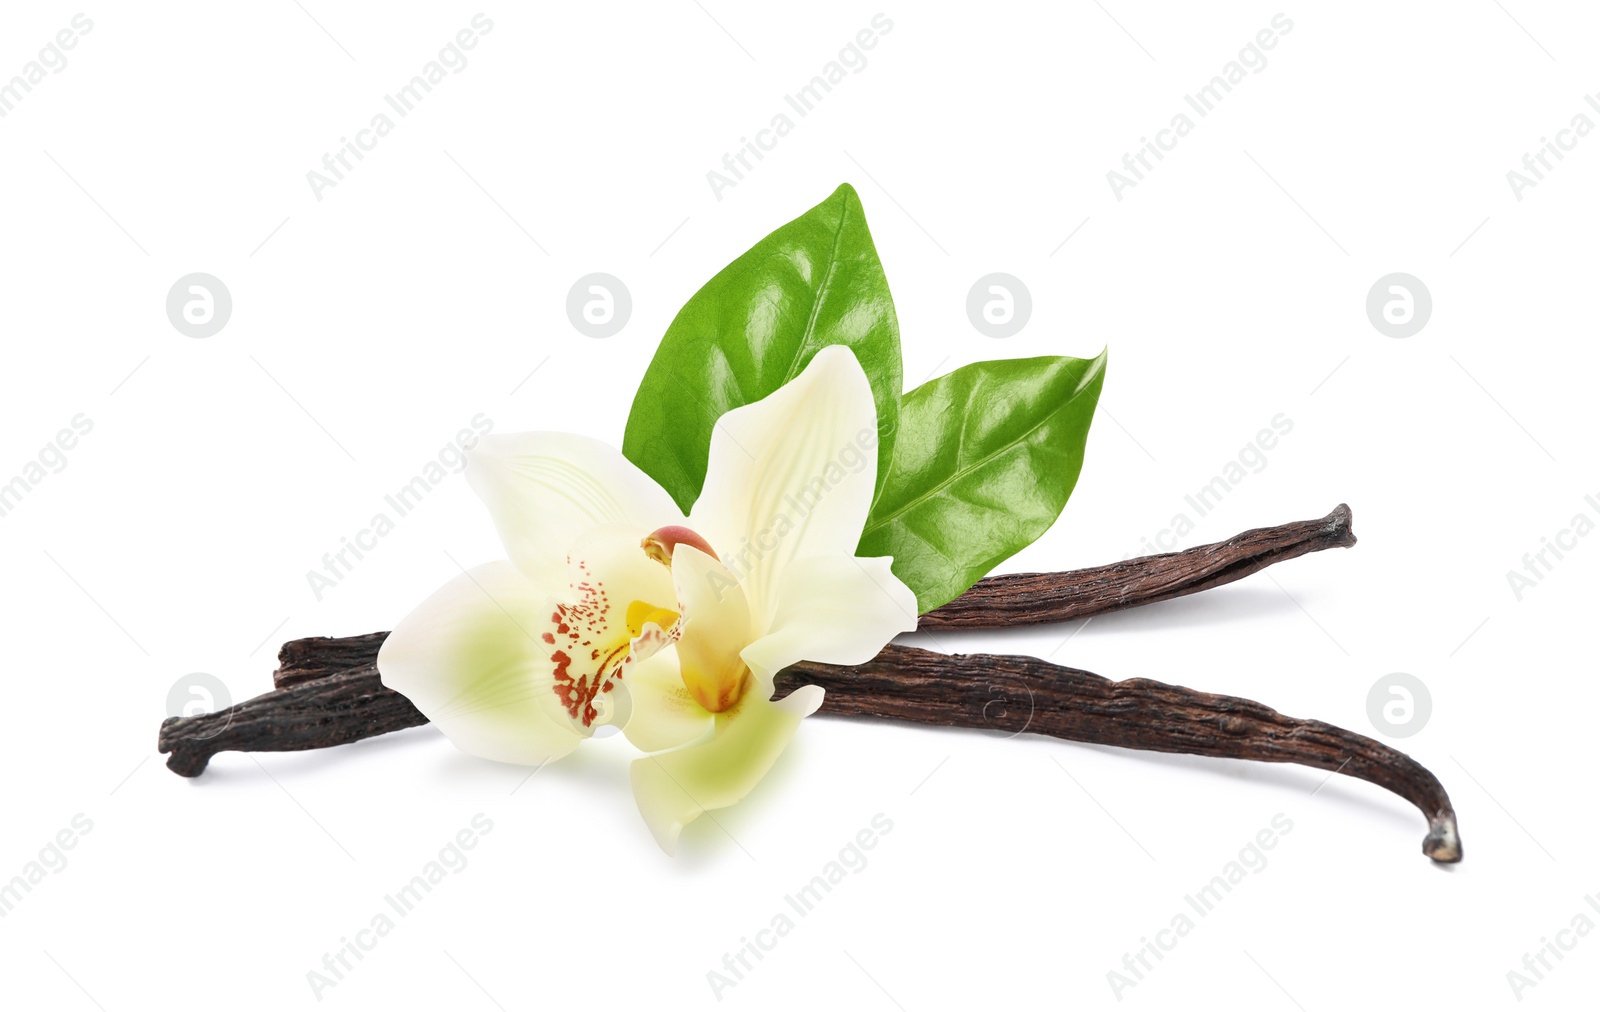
x=998, y=602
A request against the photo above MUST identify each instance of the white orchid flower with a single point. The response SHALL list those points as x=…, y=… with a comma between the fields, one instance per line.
x=616, y=609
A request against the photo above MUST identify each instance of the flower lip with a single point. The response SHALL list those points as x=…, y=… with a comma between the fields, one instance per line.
x=659, y=543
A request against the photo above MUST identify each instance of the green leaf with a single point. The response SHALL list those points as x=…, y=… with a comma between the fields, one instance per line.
x=814, y=282
x=984, y=461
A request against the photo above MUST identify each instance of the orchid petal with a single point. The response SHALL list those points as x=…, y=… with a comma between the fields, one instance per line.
x=791, y=476
x=674, y=788
x=546, y=489
x=834, y=610
x=468, y=658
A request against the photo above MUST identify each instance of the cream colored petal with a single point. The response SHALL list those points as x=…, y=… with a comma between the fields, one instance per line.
x=674, y=788
x=663, y=714
x=469, y=657
x=791, y=476
x=833, y=609
x=546, y=489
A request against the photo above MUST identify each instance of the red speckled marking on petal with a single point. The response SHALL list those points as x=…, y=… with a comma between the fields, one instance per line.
x=591, y=653
x=571, y=630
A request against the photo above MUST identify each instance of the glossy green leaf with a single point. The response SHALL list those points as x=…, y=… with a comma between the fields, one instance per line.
x=984, y=461
x=814, y=282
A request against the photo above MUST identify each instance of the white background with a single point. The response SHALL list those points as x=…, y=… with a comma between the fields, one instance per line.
x=369, y=326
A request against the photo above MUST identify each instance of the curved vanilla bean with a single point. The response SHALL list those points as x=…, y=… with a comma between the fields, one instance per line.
x=1005, y=693
x=1019, y=694
x=1025, y=598
x=317, y=713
